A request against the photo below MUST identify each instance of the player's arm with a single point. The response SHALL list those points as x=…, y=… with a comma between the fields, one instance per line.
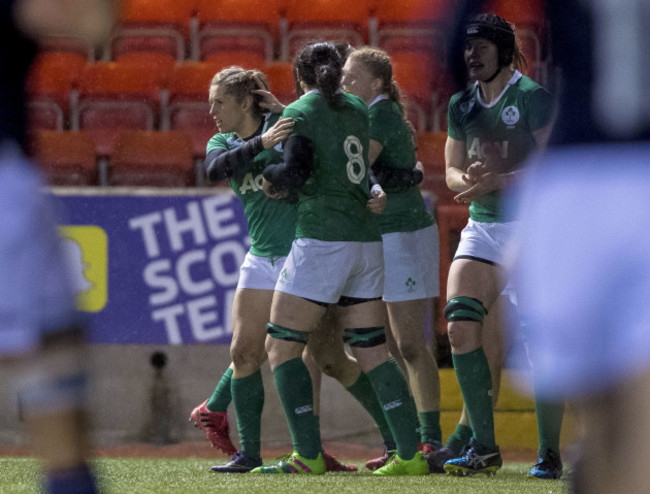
x=458, y=179
x=297, y=165
x=391, y=177
x=221, y=163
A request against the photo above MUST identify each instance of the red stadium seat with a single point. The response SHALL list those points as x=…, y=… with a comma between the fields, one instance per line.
x=530, y=25
x=414, y=80
x=431, y=152
x=331, y=20
x=238, y=26
x=451, y=219
x=114, y=96
x=410, y=25
x=151, y=26
x=280, y=77
x=66, y=158
x=68, y=44
x=188, y=109
x=152, y=158
x=51, y=87
x=245, y=59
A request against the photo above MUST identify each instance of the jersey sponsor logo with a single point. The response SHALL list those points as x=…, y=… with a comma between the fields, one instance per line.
x=303, y=409
x=251, y=183
x=484, y=150
x=392, y=404
x=86, y=251
x=510, y=115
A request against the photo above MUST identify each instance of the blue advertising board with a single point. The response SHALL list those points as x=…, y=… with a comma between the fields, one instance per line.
x=155, y=269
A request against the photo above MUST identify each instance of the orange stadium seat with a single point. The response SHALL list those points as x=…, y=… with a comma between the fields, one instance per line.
x=414, y=80
x=187, y=108
x=237, y=26
x=530, y=25
x=114, y=96
x=280, y=77
x=68, y=44
x=66, y=158
x=245, y=59
x=51, y=87
x=431, y=152
x=410, y=25
x=152, y=158
x=151, y=25
x=451, y=219
x=332, y=20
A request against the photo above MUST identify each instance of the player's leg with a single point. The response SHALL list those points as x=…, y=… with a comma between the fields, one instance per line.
x=473, y=288
x=284, y=345
x=326, y=346
x=407, y=323
x=39, y=327
x=614, y=448
x=366, y=337
x=52, y=389
x=492, y=339
x=211, y=415
x=250, y=312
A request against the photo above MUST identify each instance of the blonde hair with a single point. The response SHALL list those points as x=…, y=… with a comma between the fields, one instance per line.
x=377, y=63
x=240, y=83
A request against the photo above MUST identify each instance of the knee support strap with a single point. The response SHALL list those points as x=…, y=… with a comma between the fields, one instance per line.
x=465, y=309
x=365, y=337
x=286, y=334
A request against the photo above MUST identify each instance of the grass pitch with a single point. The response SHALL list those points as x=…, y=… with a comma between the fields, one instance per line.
x=191, y=475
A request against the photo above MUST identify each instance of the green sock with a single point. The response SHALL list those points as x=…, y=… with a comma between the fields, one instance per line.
x=459, y=438
x=248, y=398
x=430, y=427
x=295, y=390
x=221, y=396
x=549, y=425
x=364, y=393
x=475, y=380
x=416, y=421
x=393, y=395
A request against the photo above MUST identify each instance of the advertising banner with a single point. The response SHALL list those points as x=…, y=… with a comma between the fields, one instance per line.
x=155, y=269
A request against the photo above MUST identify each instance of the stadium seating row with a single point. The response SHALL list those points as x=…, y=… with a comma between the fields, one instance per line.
x=167, y=158
x=153, y=91
x=274, y=29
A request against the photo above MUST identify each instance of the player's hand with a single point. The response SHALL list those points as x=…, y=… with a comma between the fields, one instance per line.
x=474, y=172
x=377, y=202
x=269, y=101
x=272, y=191
x=483, y=184
x=278, y=133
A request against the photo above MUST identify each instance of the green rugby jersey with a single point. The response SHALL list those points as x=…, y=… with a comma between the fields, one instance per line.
x=271, y=223
x=405, y=209
x=332, y=203
x=501, y=132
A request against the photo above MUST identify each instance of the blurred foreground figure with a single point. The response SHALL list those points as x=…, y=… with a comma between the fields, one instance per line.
x=583, y=255
x=40, y=332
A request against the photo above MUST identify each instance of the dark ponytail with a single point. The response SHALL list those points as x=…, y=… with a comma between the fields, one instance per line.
x=319, y=64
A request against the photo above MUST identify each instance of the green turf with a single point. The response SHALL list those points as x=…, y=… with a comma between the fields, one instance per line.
x=158, y=476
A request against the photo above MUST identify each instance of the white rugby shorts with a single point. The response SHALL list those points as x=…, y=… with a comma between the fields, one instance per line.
x=411, y=263
x=259, y=273
x=486, y=242
x=326, y=271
